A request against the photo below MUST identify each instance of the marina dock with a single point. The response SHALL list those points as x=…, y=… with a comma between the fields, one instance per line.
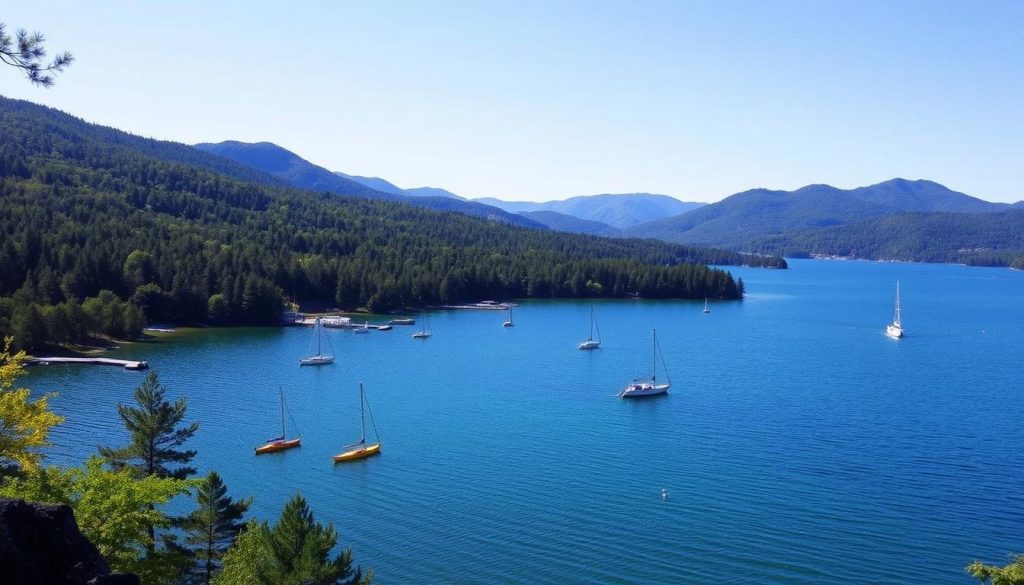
x=128, y=365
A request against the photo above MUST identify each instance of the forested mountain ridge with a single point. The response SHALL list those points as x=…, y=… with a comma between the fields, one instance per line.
x=568, y=223
x=759, y=215
x=100, y=236
x=989, y=239
x=299, y=172
x=617, y=210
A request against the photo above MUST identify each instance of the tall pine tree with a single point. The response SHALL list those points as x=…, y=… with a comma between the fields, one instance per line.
x=155, y=434
x=213, y=526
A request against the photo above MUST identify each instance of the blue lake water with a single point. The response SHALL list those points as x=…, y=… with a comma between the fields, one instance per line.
x=798, y=443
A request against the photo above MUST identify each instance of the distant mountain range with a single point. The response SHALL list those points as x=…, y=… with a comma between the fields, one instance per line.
x=299, y=172
x=820, y=219
x=877, y=222
x=617, y=210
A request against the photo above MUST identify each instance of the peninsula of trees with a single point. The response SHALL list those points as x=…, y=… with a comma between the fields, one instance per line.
x=104, y=231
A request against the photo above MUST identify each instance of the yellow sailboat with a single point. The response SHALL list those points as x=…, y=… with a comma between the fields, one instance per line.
x=279, y=443
x=360, y=449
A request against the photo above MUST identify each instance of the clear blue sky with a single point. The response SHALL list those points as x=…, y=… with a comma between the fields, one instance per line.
x=538, y=100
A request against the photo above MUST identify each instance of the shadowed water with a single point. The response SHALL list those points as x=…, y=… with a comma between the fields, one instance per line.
x=798, y=443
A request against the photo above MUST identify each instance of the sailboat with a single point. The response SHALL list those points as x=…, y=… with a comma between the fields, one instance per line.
x=590, y=342
x=425, y=332
x=279, y=443
x=648, y=386
x=359, y=449
x=508, y=322
x=364, y=329
x=706, y=309
x=895, y=329
x=318, y=358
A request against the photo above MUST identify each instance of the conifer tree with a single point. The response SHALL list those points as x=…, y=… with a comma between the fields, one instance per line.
x=155, y=434
x=295, y=551
x=213, y=526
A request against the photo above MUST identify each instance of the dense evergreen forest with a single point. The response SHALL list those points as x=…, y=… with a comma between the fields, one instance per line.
x=103, y=232
x=986, y=239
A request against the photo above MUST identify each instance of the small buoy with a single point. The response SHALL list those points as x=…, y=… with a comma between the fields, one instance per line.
x=664, y=494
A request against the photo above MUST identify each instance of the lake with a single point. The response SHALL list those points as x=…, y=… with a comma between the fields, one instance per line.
x=798, y=443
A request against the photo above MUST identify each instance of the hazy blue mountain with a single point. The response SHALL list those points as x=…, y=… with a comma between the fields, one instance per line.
x=374, y=183
x=618, y=210
x=994, y=239
x=431, y=192
x=389, y=187
x=567, y=223
x=290, y=167
x=298, y=172
x=761, y=212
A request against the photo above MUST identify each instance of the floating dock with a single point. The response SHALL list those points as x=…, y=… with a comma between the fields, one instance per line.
x=128, y=365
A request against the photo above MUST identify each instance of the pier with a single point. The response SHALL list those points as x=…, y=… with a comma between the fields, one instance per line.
x=128, y=365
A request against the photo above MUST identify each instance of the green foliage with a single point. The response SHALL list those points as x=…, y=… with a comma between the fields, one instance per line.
x=114, y=510
x=24, y=423
x=1012, y=574
x=26, y=52
x=92, y=213
x=984, y=239
x=155, y=434
x=295, y=551
x=213, y=526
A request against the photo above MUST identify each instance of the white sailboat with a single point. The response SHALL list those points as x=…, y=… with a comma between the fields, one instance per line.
x=318, y=358
x=895, y=329
x=364, y=329
x=706, y=309
x=648, y=386
x=508, y=322
x=359, y=449
x=425, y=332
x=590, y=342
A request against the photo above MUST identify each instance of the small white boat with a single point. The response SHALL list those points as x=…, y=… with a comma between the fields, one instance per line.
x=402, y=322
x=364, y=329
x=590, y=342
x=895, y=329
x=425, y=332
x=508, y=322
x=706, y=309
x=648, y=386
x=318, y=358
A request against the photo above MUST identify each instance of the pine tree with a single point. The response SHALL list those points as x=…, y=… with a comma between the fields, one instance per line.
x=155, y=440
x=213, y=526
x=295, y=551
x=155, y=436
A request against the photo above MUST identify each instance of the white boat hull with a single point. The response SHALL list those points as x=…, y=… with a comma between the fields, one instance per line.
x=894, y=331
x=643, y=389
x=590, y=344
x=317, y=360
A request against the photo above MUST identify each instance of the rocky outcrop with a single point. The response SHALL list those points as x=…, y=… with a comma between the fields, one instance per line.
x=40, y=544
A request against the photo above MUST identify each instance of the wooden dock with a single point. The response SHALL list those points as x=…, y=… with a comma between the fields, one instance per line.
x=128, y=365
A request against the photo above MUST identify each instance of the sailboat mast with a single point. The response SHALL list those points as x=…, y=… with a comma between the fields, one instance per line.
x=362, y=416
x=281, y=394
x=654, y=356
x=897, y=318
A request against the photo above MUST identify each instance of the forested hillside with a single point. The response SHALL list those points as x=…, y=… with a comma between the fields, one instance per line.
x=989, y=239
x=102, y=231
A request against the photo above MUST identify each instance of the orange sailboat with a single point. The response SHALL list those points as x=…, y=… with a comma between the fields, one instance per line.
x=360, y=449
x=279, y=443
